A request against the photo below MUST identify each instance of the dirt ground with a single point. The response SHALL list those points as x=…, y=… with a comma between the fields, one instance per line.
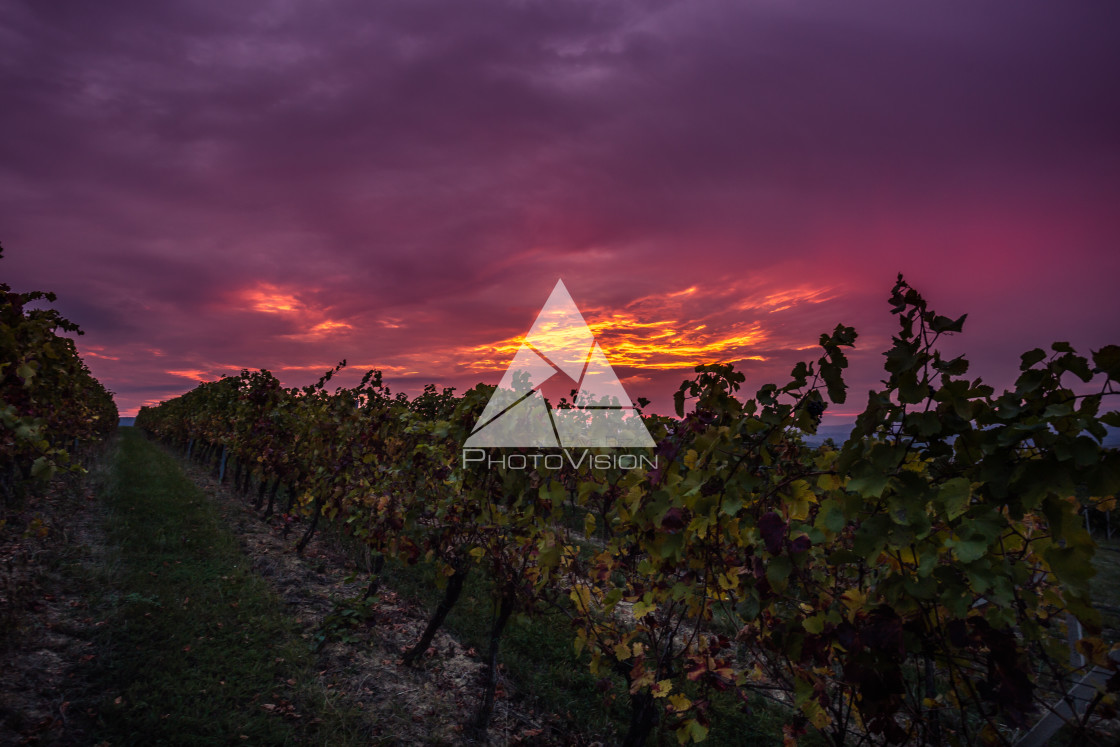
x=46, y=631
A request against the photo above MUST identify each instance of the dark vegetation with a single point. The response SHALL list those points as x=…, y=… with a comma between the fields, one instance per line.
x=929, y=580
x=912, y=584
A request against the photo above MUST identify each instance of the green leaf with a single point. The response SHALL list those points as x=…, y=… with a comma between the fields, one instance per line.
x=1072, y=565
x=1031, y=357
x=871, y=536
x=671, y=544
x=1107, y=359
x=41, y=467
x=954, y=494
x=925, y=424
x=692, y=729
x=970, y=549
x=956, y=367
x=777, y=571
x=1103, y=479
x=814, y=624
x=945, y=324
x=831, y=516
x=749, y=608
x=731, y=504
x=834, y=380
x=869, y=485
x=910, y=390
x=549, y=556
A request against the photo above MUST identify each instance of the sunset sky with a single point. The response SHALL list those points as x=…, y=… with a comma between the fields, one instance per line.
x=401, y=184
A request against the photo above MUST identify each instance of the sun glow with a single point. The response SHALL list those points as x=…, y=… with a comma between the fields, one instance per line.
x=269, y=299
x=671, y=331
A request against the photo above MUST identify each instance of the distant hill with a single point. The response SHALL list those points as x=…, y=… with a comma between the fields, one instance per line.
x=1113, y=437
x=839, y=434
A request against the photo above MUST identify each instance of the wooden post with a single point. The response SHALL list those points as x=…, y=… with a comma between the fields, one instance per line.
x=222, y=467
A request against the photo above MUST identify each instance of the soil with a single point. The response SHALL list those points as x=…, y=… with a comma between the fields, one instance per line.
x=46, y=631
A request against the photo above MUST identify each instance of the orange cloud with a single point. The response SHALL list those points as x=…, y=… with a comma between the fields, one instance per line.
x=674, y=330
x=267, y=298
x=97, y=351
x=193, y=375
x=785, y=299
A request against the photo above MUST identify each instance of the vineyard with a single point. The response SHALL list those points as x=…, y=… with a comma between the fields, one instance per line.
x=54, y=418
x=51, y=407
x=920, y=583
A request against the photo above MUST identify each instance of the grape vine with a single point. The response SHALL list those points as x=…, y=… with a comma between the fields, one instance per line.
x=50, y=404
x=914, y=584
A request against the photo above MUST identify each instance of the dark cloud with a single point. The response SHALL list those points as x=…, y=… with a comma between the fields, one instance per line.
x=424, y=171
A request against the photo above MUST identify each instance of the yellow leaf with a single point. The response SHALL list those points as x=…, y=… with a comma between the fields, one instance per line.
x=803, y=496
x=680, y=702
x=662, y=688
x=828, y=482
x=1094, y=650
x=641, y=609
x=802, y=491
x=817, y=716
x=854, y=600
x=645, y=679
x=634, y=499
x=581, y=595
x=798, y=510
x=690, y=458
x=826, y=460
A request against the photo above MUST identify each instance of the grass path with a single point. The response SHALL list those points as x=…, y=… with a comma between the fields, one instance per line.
x=196, y=648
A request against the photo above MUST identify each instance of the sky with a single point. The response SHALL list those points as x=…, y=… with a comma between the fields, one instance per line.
x=211, y=186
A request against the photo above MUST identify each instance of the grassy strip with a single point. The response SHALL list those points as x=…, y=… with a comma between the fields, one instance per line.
x=196, y=649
